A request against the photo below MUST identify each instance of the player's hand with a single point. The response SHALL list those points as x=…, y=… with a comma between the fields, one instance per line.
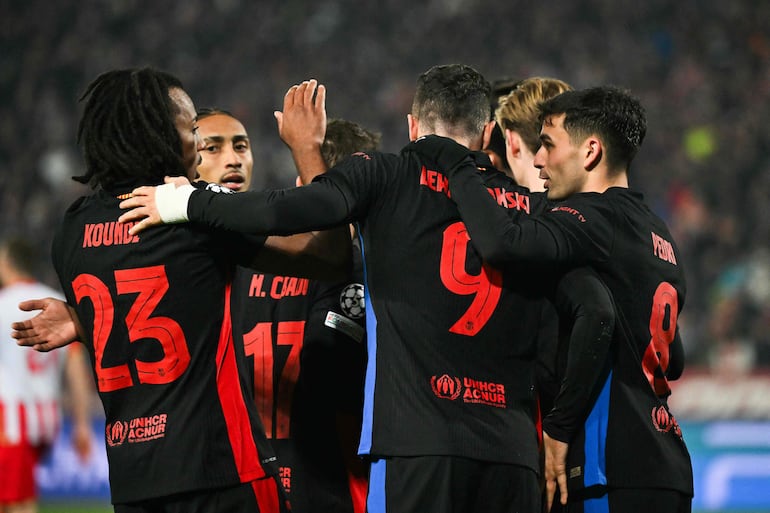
x=52, y=328
x=151, y=206
x=302, y=123
x=448, y=154
x=555, y=469
x=81, y=440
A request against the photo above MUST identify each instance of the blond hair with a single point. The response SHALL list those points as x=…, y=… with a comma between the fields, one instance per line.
x=519, y=111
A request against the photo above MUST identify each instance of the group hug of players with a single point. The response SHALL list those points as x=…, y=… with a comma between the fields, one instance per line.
x=520, y=326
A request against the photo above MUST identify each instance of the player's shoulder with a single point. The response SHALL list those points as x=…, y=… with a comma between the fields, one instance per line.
x=582, y=207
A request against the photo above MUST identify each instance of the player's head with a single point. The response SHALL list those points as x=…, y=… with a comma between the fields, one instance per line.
x=519, y=110
x=138, y=125
x=17, y=260
x=451, y=100
x=518, y=116
x=344, y=138
x=588, y=138
x=610, y=113
x=226, y=157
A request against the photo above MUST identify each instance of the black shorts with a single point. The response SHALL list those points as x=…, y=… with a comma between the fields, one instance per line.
x=259, y=496
x=629, y=500
x=447, y=484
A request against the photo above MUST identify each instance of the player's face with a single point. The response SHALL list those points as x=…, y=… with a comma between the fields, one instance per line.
x=226, y=157
x=559, y=161
x=187, y=128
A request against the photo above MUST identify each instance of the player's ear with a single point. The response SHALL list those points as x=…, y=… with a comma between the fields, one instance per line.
x=513, y=142
x=488, y=128
x=594, y=151
x=413, y=127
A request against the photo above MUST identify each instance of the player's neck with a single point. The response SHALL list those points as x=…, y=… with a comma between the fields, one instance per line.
x=601, y=180
x=473, y=143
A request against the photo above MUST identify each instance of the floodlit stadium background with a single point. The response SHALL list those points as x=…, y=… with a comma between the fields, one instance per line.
x=702, y=68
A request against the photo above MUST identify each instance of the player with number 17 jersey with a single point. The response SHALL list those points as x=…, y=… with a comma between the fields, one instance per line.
x=304, y=343
x=179, y=412
x=451, y=340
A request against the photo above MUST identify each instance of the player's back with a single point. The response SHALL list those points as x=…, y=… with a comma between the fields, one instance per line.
x=306, y=354
x=642, y=269
x=156, y=309
x=451, y=341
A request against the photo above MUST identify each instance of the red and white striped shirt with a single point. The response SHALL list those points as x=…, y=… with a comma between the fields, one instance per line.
x=30, y=382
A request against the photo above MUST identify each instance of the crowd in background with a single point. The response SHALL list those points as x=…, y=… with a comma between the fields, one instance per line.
x=701, y=68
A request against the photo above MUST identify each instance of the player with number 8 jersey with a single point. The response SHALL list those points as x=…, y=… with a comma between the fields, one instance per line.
x=627, y=441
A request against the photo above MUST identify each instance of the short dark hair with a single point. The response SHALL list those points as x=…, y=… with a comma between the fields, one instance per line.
x=344, y=138
x=127, y=129
x=611, y=113
x=454, y=94
x=206, y=112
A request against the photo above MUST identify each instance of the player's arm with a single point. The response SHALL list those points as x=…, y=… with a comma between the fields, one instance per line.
x=79, y=382
x=302, y=126
x=585, y=301
x=322, y=255
x=55, y=326
x=498, y=238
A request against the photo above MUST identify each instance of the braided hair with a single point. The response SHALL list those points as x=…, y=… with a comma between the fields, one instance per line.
x=127, y=131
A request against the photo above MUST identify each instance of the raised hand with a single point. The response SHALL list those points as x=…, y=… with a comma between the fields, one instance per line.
x=302, y=126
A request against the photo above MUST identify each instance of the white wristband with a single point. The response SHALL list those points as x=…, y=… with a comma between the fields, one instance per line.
x=171, y=202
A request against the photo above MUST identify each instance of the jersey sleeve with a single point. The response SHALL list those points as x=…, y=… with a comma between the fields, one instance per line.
x=334, y=348
x=332, y=199
x=574, y=232
x=583, y=300
x=317, y=206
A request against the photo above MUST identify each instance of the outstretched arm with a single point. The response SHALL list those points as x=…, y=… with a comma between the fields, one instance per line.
x=55, y=326
x=497, y=237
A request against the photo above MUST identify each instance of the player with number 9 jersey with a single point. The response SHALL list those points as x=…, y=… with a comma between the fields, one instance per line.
x=629, y=440
x=449, y=337
x=451, y=342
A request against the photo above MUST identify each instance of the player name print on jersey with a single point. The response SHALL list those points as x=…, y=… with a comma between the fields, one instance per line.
x=108, y=234
x=663, y=249
x=436, y=181
x=277, y=286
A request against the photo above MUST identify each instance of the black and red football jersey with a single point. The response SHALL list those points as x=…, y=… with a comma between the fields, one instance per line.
x=451, y=340
x=629, y=438
x=304, y=342
x=180, y=414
